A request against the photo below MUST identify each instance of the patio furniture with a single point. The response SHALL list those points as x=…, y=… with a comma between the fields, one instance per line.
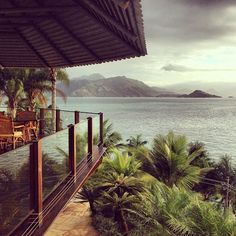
x=29, y=120
x=8, y=135
x=2, y=113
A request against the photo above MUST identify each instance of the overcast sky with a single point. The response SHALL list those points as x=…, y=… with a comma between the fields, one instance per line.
x=187, y=40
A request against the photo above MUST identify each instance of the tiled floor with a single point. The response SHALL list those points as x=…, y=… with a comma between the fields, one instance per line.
x=74, y=220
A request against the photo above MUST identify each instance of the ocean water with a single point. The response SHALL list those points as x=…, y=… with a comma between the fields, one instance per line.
x=212, y=121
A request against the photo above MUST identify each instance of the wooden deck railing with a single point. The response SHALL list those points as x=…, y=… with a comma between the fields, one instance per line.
x=44, y=207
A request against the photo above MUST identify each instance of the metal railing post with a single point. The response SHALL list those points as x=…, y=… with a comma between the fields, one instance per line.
x=72, y=150
x=42, y=121
x=101, y=129
x=58, y=120
x=36, y=179
x=77, y=117
x=90, y=137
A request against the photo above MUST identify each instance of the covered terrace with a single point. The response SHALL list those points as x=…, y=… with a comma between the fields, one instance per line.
x=38, y=179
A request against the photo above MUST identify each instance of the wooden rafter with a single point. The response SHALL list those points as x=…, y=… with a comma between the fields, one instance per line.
x=108, y=18
x=13, y=24
x=32, y=48
x=19, y=10
x=117, y=36
x=77, y=32
x=25, y=16
x=75, y=37
x=53, y=45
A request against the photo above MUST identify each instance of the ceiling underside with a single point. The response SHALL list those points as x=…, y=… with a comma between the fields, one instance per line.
x=65, y=33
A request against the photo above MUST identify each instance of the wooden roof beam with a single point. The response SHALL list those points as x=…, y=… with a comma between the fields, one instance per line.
x=117, y=36
x=32, y=48
x=90, y=4
x=18, y=10
x=76, y=38
x=25, y=17
x=15, y=24
x=57, y=49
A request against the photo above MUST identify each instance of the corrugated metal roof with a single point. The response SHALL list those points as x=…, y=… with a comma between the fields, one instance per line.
x=65, y=33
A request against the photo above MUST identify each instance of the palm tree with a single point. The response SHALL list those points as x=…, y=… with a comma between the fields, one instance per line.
x=183, y=213
x=170, y=162
x=56, y=75
x=36, y=84
x=88, y=194
x=122, y=174
x=119, y=205
x=12, y=87
x=202, y=159
x=121, y=163
x=136, y=141
x=111, y=138
x=29, y=85
x=38, y=81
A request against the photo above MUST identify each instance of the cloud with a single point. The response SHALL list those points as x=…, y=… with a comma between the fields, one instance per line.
x=188, y=21
x=179, y=68
x=176, y=68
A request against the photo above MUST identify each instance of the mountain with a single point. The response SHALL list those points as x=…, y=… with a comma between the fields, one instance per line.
x=98, y=86
x=95, y=76
x=198, y=94
x=224, y=88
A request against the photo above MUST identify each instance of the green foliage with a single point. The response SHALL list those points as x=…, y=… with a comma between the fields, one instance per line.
x=136, y=142
x=137, y=191
x=170, y=163
x=111, y=139
x=106, y=226
x=27, y=87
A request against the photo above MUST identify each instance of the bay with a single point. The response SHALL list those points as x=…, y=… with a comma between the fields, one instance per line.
x=212, y=121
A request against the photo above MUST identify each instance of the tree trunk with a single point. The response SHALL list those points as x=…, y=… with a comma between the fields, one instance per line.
x=12, y=108
x=92, y=208
x=54, y=106
x=119, y=217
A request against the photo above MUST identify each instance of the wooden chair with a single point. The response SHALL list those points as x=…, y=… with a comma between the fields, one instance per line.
x=2, y=113
x=8, y=135
x=29, y=120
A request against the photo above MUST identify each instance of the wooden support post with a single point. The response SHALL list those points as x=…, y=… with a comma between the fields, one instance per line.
x=41, y=121
x=90, y=138
x=77, y=117
x=72, y=150
x=101, y=129
x=58, y=120
x=36, y=179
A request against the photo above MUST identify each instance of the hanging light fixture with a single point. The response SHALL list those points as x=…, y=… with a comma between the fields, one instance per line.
x=122, y=3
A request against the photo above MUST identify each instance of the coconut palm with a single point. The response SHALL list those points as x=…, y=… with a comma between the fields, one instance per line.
x=29, y=85
x=184, y=213
x=38, y=81
x=202, y=159
x=11, y=87
x=111, y=138
x=88, y=194
x=123, y=174
x=36, y=84
x=121, y=163
x=136, y=141
x=56, y=75
x=170, y=162
x=118, y=206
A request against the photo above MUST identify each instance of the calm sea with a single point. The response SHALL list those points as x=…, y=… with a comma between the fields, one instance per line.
x=212, y=121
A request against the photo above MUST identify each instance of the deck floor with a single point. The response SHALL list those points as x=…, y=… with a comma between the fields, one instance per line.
x=74, y=220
